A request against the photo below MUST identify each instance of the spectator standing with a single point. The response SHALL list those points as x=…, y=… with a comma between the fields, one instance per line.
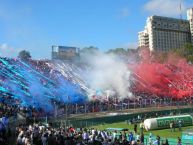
x=174, y=125
x=85, y=136
x=150, y=139
x=44, y=139
x=131, y=137
x=142, y=139
x=114, y=135
x=141, y=128
x=135, y=128
x=157, y=141
x=51, y=139
x=179, y=141
x=120, y=136
x=166, y=143
x=180, y=125
x=171, y=126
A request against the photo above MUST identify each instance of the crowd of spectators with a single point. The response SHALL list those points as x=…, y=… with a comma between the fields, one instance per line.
x=113, y=104
x=47, y=135
x=12, y=68
x=41, y=135
x=8, y=107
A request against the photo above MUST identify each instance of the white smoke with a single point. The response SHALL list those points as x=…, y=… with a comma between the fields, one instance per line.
x=8, y=51
x=108, y=73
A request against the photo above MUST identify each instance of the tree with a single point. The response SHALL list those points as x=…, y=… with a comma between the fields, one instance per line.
x=87, y=53
x=186, y=51
x=117, y=51
x=89, y=50
x=189, y=48
x=24, y=55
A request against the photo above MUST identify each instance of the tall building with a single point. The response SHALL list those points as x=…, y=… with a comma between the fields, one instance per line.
x=64, y=53
x=143, y=38
x=190, y=19
x=163, y=33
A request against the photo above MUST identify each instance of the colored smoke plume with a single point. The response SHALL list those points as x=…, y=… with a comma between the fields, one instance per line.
x=33, y=89
x=100, y=74
x=171, y=78
x=107, y=74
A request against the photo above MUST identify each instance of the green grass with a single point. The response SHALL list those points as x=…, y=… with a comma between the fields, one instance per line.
x=164, y=133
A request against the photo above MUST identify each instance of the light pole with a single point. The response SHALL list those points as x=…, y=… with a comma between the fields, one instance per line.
x=170, y=105
x=134, y=103
x=145, y=102
x=66, y=109
x=160, y=102
x=76, y=108
x=128, y=103
x=55, y=110
x=85, y=109
x=107, y=96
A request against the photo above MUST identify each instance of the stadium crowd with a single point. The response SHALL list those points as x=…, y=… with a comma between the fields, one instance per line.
x=46, y=135
x=6, y=110
x=13, y=68
x=41, y=135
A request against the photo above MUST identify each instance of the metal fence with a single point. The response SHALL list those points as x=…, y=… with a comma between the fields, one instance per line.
x=116, y=105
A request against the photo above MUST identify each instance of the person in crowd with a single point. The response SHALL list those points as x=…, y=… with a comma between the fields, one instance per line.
x=179, y=141
x=44, y=139
x=141, y=126
x=135, y=128
x=171, y=126
x=150, y=140
x=157, y=141
x=174, y=125
x=180, y=125
x=114, y=135
x=142, y=139
x=46, y=135
x=131, y=137
x=120, y=136
x=166, y=142
x=51, y=139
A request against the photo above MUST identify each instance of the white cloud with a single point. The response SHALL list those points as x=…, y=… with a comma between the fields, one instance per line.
x=165, y=7
x=8, y=51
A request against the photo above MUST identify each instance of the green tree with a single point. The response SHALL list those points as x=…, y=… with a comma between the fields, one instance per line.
x=189, y=49
x=117, y=51
x=24, y=55
x=186, y=51
x=87, y=53
x=89, y=50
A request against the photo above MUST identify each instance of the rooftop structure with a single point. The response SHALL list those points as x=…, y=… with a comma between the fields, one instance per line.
x=64, y=53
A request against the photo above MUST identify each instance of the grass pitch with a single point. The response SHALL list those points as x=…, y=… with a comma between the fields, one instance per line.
x=164, y=133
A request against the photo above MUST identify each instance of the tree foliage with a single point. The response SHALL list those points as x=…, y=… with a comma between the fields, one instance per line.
x=186, y=52
x=117, y=51
x=89, y=50
x=24, y=55
x=122, y=51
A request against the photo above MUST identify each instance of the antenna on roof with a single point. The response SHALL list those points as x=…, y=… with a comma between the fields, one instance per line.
x=180, y=9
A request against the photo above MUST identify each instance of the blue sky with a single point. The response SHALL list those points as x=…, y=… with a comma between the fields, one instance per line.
x=37, y=24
